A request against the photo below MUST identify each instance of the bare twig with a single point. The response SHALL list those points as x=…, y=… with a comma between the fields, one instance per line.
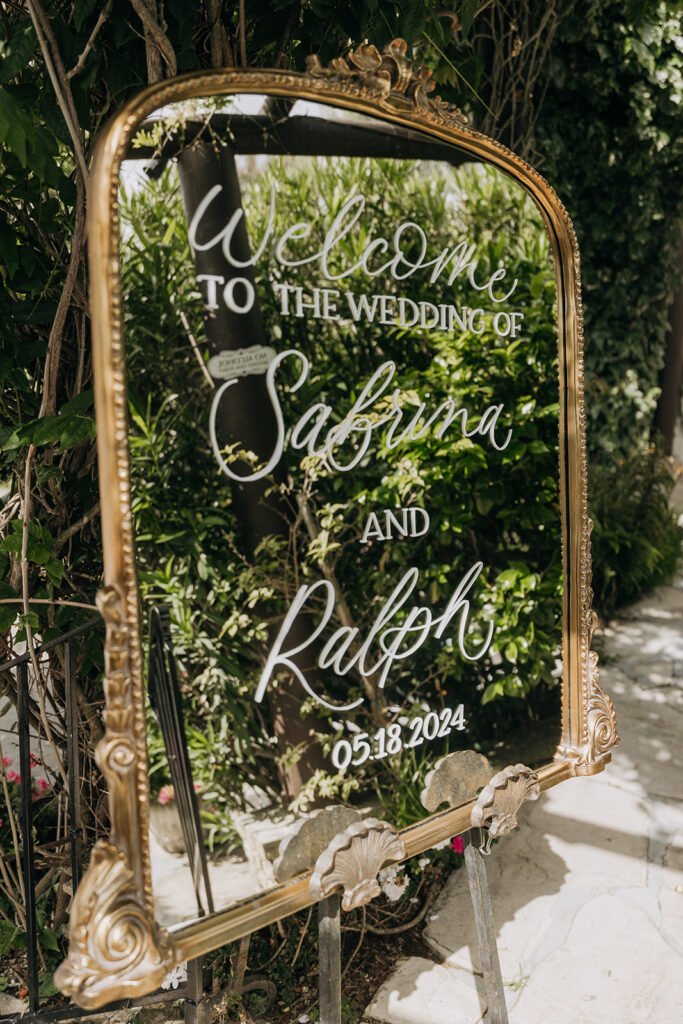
x=9, y=889
x=219, y=44
x=241, y=966
x=289, y=28
x=59, y=79
x=48, y=405
x=375, y=929
x=45, y=882
x=50, y=601
x=64, y=536
x=62, y=89
x=27, y=625
x=302, y=936
x=80, y=334
x=195, y=347
x=243, y=34
x=80, y=63
x=15, y=840
x=157, y=43
x=359, y=943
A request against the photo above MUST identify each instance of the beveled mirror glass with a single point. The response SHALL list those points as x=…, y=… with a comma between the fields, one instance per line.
x=339, y=407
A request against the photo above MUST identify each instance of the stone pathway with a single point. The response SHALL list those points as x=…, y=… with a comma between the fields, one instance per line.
x=587, y=894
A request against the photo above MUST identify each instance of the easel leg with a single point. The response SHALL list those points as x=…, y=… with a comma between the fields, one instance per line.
x=195, y=1004
x=479, y=891
x=329, y=959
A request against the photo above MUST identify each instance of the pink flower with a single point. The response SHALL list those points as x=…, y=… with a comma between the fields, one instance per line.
x=199, y=787
x=456, y=845
x=6, y=761
x=166, y=794
x=14, y=777
x=39, y=787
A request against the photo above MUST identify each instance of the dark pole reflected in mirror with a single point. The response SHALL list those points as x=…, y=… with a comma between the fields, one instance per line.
x=343, y=387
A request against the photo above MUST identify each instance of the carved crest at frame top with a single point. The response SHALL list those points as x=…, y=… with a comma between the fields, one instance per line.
x=390, y=77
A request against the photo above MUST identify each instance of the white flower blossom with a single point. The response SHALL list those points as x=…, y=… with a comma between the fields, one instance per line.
x=392, y=884
x=177, y=976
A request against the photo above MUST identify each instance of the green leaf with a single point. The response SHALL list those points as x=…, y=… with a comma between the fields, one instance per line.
x=511, y=651
x=11, y=938
x=468, y=9
x=77, y=429
x=9, y=249
x=492, y=691
x=43, y=431
x=507, y=578
x=17, y=51
x=484, y=503
x=55, y=571
x=8, y=614
x=414, y=20
x=48, y=939
x=537, y=284
x=19, y=128
x=46, y=985
x=79, y=404
x=30, y=619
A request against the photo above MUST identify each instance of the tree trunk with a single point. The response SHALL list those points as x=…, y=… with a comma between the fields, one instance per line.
x=246, y=415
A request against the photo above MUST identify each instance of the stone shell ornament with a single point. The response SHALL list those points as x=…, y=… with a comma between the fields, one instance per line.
x=353, y=860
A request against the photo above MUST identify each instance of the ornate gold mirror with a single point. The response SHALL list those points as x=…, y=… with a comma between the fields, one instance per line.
x=340, y=430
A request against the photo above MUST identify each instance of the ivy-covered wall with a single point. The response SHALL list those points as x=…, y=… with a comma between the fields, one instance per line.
x=609, y=139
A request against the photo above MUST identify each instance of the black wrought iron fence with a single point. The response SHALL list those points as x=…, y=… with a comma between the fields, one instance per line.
x=38, y=1011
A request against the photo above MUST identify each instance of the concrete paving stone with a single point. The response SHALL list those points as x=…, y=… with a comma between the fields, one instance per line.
x=651, y=745
x=642, y=638
x=613, y=967
x=422, y=992
x=650, y=723
x=231, y=879
x=671, y=891
x=650, y=673
x=174, y=900
x=631, y=682
x=8, y=1004
x=654, y=675
x=525, y=877
x=585, y=833
x=596, y=829
x=664, y=603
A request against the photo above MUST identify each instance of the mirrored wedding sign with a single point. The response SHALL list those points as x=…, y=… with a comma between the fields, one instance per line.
x=338, y=380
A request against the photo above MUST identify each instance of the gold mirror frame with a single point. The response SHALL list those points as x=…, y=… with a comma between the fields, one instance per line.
x=116, y=948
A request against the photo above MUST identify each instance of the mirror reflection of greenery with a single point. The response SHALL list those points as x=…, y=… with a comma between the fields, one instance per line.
x=500, y=507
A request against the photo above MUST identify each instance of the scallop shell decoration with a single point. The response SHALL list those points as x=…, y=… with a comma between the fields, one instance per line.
x=455, y=779
x=353, y=860
x=498, y=804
